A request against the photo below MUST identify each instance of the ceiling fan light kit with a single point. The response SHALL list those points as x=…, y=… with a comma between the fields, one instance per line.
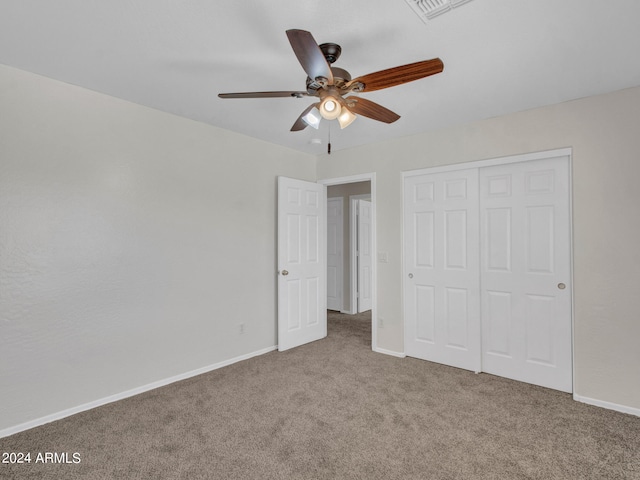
x=334, y=86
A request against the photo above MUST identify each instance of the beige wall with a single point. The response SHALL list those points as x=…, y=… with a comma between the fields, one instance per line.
x=604, y=134
x=344, y=191
x=130, y=243
x=130, y=239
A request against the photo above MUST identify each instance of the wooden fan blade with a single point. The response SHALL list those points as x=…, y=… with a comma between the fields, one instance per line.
x=399, y=75
x=309, y=55
x=367, y=108
x=263, y=94
x=301, y=124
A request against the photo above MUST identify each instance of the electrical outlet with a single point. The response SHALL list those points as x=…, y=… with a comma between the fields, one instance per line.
x=241, y=328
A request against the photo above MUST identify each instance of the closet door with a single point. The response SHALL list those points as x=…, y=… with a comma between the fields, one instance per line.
x=525, y=272
x=441, y=268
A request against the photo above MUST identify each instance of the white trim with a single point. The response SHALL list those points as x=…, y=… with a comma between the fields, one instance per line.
x=571, y=276
x=363, y=177
x=607, y=405
x=353, y=247
x=389, y=352
x=129, y=393
x=525, y=157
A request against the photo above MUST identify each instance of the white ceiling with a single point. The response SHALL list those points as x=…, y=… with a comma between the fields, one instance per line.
x=500, y=56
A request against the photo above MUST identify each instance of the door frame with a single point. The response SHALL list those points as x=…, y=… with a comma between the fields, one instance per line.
x=340, y=266
x=361, y=278
x=526, y=157
x=364, y=177
x=353, y=248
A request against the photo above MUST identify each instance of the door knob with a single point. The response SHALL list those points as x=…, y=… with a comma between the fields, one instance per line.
x=411, y=275
x=562, y=286
x=284, y=272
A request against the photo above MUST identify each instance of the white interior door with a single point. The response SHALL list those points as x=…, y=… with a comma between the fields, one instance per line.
x=365, y=256
x=441, y=269
x=335, y=247
x=302, y=314
x=526, y=276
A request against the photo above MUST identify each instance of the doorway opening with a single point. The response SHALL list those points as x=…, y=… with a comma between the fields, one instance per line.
x=351, y=265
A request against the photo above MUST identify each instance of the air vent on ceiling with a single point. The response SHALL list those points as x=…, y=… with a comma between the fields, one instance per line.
x=428, y=9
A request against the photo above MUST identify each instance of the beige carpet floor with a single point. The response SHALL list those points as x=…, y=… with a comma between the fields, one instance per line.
x=333, y=409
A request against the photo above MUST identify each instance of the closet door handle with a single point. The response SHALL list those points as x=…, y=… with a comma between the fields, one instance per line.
x=411, y=275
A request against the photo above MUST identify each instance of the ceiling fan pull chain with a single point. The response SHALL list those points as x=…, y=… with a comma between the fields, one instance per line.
x=329, y=142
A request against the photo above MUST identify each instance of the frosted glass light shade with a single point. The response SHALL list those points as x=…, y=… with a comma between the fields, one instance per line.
x=312, y=118
x=346, y=117
x=330, y=108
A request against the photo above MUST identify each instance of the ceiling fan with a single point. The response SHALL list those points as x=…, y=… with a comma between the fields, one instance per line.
x=332, y=85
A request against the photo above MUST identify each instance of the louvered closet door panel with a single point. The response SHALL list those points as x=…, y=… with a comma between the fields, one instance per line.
x=441, y=286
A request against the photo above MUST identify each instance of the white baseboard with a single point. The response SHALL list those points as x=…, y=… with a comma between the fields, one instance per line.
x=129, y=393
x=608, y=405
x=389, y=352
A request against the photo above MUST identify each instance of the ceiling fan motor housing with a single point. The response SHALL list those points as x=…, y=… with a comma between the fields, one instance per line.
x=340, y=77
